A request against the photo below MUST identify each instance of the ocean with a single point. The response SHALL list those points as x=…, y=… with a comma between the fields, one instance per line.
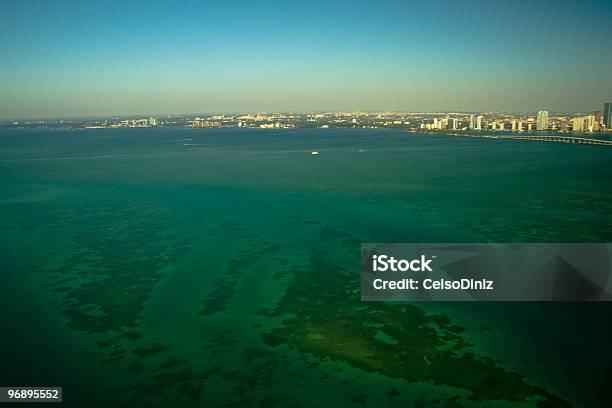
x=220, y=267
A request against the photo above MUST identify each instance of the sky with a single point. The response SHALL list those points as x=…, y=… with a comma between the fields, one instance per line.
x=104, y=58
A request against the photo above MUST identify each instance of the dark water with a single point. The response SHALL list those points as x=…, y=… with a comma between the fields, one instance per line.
x=183, y=267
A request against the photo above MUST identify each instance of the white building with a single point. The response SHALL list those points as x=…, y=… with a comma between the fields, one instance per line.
x=542, y=120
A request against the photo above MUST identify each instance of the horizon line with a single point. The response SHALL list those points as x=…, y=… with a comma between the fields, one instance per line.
x=268, y=112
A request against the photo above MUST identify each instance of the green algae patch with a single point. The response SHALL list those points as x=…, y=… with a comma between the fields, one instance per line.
x=120, y=257
x=224, y=286
x=328, y=320
x=155, y=348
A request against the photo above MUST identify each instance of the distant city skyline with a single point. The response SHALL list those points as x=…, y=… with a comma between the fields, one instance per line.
x=102, y=59
x=458, y=123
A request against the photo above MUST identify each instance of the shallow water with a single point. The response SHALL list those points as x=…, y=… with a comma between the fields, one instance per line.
x=201, y=267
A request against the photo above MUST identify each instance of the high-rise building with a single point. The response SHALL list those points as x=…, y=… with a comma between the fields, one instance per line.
x=607, y=115
x=578, y=124
x=479, y=122
x=472, y=124
x=542, y=120
x=598, y=115
x=589, y=123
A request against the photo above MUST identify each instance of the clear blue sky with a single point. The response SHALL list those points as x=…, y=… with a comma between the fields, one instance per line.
x=80, y=58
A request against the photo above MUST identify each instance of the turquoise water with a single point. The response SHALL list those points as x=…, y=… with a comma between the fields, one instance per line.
x=200, y=267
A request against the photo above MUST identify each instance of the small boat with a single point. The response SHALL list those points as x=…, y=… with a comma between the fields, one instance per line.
x=315, y=153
